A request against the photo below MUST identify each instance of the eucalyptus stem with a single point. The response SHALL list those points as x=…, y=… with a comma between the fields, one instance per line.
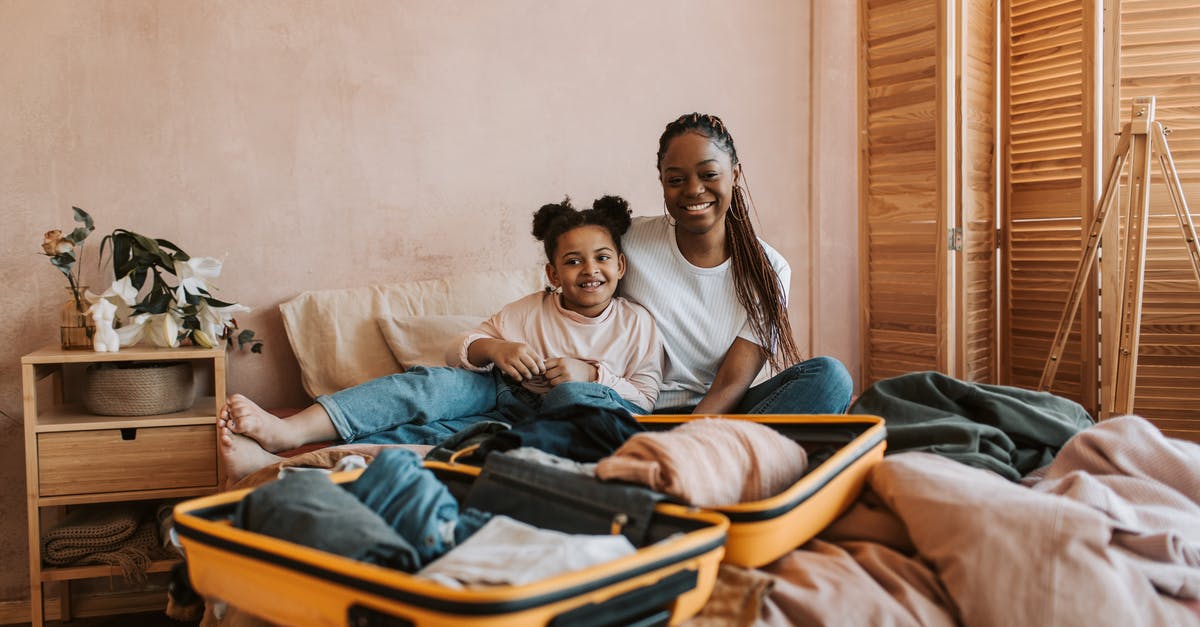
x=75, y=292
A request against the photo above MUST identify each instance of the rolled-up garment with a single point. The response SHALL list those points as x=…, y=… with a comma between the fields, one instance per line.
x=709, y=462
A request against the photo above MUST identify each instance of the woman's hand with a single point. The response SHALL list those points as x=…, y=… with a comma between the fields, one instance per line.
x=563, y=369
x=739, y=367
x=515, y=359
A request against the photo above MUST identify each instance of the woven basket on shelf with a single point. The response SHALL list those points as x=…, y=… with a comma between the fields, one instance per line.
x=139, y=388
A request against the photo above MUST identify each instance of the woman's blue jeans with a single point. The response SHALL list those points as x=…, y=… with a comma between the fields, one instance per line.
x=820, y=385
x=427, y=405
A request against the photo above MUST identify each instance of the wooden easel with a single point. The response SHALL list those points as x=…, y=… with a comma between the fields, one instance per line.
x=1141, y=136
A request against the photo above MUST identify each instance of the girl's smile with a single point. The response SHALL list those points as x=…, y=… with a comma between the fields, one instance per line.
x=587, y=267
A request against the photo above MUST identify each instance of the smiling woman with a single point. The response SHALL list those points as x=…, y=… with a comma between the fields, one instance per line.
x=717, y=292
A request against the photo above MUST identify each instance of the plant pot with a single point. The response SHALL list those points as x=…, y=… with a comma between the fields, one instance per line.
x=141, y=388
x=75, y=327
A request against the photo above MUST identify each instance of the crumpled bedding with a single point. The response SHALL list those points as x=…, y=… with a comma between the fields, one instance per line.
x=1106, y=534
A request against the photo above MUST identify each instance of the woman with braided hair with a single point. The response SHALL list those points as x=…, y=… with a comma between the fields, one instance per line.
x=717, y=292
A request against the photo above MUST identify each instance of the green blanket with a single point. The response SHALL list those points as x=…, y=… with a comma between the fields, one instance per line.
x=1007, y=430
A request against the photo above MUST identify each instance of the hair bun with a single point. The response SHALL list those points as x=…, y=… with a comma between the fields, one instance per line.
x=615, y=211
x=545, y=217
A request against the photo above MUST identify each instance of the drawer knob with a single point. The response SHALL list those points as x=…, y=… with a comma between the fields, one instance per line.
x=129, y=433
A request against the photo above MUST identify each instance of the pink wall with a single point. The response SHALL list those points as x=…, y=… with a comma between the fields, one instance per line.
x=314, y=145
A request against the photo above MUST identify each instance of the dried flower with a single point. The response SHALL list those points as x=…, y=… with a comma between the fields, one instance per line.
x=55, y=244
x=63, y=251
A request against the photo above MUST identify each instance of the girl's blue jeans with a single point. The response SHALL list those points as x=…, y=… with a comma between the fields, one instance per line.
x=427, y=405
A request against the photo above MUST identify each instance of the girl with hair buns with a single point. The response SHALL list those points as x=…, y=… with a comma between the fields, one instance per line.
x=717, y=292
x=578, y=343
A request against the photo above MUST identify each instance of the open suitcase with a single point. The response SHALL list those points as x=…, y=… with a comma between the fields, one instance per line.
x=667, y=581
x=841, y=448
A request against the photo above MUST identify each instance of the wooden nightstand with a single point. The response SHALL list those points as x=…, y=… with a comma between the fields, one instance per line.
x=73, y=457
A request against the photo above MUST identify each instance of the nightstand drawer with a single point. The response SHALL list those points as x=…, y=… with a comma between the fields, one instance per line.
x=120, y=460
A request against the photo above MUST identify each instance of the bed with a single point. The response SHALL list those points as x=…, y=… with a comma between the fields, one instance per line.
x=1108, y=533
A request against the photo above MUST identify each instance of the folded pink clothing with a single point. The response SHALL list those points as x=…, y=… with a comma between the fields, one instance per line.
x=709, y=462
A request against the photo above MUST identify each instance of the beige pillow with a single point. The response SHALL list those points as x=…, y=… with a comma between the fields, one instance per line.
x=336, y=335
x=423, y=340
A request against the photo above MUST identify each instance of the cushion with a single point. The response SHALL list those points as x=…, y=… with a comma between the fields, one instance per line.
x=423, y=340
x=336, y=336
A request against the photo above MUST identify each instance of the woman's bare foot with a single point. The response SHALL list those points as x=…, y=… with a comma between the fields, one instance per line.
x=243, y=416
x=241, y=456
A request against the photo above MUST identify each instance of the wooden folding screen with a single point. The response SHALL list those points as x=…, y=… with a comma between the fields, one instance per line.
x=927, y=225
x=902, y=247
x=1160, y=56
x=928, y=110
x=1048, y=179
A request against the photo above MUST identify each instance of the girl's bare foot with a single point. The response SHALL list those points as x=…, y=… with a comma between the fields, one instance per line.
x=243, y=416
x=241, y=456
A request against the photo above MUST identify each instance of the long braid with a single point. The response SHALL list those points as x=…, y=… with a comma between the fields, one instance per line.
x=758, y=287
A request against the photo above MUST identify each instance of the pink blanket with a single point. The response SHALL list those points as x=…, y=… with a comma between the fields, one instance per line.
x=1107, y=534
x=709, y=462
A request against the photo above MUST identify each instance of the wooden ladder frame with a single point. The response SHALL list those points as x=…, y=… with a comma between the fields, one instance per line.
x=1143, y=136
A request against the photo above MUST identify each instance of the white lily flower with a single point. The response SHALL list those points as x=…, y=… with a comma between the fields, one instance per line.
x=194, y=275
x=213, y=320
x=121, y=293
x=163, y=330
x=132, y=331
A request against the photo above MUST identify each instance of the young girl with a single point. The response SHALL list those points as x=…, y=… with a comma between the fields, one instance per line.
x=718, y=293
x=581, y=344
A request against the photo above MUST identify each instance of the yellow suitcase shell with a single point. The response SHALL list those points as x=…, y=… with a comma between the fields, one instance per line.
x=664, y=582
x=761, y=532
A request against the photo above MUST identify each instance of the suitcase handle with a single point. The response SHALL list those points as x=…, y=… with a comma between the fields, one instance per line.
x=643, y=606
x=462, y=453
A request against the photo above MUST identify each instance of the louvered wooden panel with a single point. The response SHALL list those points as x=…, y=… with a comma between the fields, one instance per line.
x=1046, y=113
x=977, y=279
x=899, y=201
x=1160, y=56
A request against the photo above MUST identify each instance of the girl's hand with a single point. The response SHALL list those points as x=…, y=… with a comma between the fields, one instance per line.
x=563, y=369
x=515, y=359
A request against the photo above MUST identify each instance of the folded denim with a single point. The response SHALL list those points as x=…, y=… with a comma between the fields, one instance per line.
x=412, y=500
x=309, y=509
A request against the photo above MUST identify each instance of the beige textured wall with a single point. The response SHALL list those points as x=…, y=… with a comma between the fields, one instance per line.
x=322, y=144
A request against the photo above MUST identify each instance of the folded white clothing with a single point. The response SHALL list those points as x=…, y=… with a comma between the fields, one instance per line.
x=509, y=552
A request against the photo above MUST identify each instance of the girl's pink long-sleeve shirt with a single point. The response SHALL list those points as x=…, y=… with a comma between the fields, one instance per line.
x=622, y=342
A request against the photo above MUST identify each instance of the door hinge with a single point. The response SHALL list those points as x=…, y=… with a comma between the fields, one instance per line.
x=954, y=239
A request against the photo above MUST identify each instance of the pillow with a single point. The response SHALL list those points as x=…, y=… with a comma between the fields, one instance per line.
x=338, y=341
x=423, y=340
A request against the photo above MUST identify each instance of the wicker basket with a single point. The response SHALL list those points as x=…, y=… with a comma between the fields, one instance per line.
x=139, y=388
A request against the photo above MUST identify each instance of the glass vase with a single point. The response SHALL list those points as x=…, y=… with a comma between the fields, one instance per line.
x=76, y=328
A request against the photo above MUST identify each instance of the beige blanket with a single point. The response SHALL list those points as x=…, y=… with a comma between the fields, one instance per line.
x=1106, y=535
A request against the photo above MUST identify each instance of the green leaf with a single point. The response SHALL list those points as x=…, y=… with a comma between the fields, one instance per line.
x=78, y=235
x=245, y=336
x=63, y=259
x=257, y=348
x=122, y=256
x=138, y=279
x=156, y=302
x=212, y=302
x=85, y=218
x=179, y=254
x=150, y=248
